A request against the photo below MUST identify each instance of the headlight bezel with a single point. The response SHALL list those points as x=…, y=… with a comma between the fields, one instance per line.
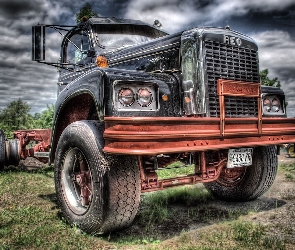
x=144, y=97
x=126, y=96
x=266, y=104
x=273, y=105
x=139, y=103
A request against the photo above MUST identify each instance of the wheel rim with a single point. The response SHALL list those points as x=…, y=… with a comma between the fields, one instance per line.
x=230, y=177
x=76, y=181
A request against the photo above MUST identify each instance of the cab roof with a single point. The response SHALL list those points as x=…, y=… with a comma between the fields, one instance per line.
x=127, y=26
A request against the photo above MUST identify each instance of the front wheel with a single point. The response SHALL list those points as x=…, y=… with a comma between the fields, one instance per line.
x=96, y=192
x=247, y=183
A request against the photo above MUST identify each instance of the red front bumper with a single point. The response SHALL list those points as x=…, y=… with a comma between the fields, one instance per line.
x=163, y=135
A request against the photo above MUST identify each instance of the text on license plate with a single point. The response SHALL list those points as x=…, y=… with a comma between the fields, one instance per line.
x=240, y=157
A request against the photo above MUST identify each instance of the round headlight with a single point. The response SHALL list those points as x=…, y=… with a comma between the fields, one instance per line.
x=275, y=107
x=126, y=96
x=266, y=105
x=144, y=97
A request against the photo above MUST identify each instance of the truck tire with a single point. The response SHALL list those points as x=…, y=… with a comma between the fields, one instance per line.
x=251, y=182
x=290, y=150
x=2, y=150
x=13, y=152
x=96, y=192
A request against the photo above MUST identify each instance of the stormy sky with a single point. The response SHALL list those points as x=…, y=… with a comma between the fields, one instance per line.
x=270, y=22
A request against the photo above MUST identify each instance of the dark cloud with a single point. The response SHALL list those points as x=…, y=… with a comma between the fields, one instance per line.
x=286, y=17
x=19, y=8
x=270, y=23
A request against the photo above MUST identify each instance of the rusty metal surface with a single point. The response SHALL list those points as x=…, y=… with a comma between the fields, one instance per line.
x=208, y=172
x=148, y=136
x=238, y=88
x=81, y=177
x=40, y=136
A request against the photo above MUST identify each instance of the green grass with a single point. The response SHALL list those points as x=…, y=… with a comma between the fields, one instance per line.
x=227, y=236
x=289, y=176
x=156, y=205
x=289, y=171
x=30, y=219
x=287, y=168
x=175, y=169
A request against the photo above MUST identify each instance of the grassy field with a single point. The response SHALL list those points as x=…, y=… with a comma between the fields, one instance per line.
x=30, y=219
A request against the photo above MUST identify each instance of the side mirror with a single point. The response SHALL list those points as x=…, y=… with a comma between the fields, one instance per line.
x=38, y=43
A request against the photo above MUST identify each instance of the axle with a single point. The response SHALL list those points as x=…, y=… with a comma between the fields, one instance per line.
x=207, y=169
x=28, y=143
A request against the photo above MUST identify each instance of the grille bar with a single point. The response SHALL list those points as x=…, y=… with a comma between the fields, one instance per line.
x=229, y=62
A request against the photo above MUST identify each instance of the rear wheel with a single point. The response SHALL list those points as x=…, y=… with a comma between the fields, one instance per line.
x=290, y=150
x=247, y=183
x=97, y=193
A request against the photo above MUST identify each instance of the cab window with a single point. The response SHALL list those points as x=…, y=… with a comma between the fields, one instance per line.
x=77, y=47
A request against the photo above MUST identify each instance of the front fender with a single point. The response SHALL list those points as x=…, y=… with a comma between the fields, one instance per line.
x=79, y=100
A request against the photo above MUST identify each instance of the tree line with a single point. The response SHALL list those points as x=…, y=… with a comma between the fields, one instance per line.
x=16, y=116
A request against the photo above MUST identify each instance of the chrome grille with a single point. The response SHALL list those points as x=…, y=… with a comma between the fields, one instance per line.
x=233, y=63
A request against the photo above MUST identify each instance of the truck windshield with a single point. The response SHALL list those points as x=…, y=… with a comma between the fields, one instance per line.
x=77, y=46
x=108, y=42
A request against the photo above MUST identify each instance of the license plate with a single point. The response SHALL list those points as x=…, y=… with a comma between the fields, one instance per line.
x=240, y=157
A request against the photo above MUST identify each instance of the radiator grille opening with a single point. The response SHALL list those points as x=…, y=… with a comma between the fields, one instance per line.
x=231, y=63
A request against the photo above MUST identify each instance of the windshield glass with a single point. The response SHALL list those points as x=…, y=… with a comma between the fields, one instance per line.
x=112, y=37
x=109, y=42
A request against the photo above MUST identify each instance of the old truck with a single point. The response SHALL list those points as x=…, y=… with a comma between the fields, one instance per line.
x=133, y=99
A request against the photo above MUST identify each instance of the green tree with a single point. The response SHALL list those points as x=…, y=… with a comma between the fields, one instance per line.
x=45, y=119
x=85, y=12
x=15, y=116
x=269, y=82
